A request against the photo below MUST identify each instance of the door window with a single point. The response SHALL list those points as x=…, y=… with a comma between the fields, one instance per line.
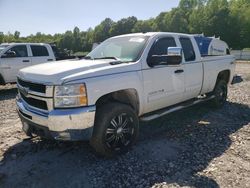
x=161, y=46
x=20, y=50
x=38, y=51
x=188, y=49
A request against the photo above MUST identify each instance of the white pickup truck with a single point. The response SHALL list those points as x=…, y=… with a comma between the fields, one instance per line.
x=15, y=56
x=125, y=79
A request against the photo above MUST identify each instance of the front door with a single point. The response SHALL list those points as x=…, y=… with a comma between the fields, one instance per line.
x=13, y=64
x=163, y=84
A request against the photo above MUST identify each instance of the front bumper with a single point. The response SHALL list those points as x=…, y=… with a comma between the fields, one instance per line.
x=59, y=124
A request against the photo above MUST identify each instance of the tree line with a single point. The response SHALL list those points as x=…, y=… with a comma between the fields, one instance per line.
x=227, y=19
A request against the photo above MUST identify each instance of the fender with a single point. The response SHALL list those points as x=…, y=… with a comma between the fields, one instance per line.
x=131, y=82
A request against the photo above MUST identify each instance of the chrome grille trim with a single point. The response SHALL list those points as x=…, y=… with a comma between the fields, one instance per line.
x=49, y=102
x=48, y=91
x=34, y=109
x=46, y=97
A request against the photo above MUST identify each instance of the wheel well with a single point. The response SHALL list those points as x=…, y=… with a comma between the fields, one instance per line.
x=127, y=96
x=224, y=75
x=2, y=82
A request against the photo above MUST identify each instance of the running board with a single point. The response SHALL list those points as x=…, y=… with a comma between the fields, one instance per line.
x=169, y=110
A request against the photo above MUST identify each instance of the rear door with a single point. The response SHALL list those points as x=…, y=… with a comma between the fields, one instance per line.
x=193, y=69
x=40, y=54
x=163, y=84
x=12, y=65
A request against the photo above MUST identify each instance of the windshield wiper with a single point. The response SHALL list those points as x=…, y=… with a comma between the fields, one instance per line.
x=88, y=57
x=116, y=62
x=115, y=58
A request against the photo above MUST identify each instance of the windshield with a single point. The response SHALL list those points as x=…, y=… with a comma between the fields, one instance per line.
x=126, y=49
x=3, y=47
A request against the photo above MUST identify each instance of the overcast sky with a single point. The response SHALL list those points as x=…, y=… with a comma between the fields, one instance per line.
x=57, y=16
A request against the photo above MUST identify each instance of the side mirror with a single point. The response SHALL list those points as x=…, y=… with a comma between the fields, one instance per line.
x=9, y=54
x=174, y=57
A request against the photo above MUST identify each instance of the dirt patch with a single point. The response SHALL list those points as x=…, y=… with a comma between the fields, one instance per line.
x=196, y=147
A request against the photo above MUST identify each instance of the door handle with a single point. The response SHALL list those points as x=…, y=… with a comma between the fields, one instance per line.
x=26, y=61
x=179, y=71
x=49, y=59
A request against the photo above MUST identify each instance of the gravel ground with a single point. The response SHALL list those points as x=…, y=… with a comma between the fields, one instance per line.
x=196, y=147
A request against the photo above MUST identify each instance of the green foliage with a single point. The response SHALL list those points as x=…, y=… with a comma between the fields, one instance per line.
x=123, y=26
x=143, y=26
x=102, y=30
x=228, y=19
x=1, y=37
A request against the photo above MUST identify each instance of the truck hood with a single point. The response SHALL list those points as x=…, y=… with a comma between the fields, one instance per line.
x=56, y=73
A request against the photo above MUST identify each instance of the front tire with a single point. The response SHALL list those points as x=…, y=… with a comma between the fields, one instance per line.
x=116, y=129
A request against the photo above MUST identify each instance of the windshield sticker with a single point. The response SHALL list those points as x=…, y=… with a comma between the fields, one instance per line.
x=136, y=40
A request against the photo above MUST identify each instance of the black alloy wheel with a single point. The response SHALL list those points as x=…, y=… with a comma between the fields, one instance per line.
x=116, y=129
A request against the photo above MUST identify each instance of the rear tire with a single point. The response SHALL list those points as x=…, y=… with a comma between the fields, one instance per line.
x=116, y=129
x=220, y=93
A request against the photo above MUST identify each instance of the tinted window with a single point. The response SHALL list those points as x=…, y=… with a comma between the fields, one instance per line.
x=39, y=51
x=20, y=50
x=161, y=46
x=188, y=49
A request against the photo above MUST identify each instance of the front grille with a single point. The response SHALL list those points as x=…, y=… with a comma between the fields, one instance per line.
x=25, y=115
x=35, y=102
x=32, y=86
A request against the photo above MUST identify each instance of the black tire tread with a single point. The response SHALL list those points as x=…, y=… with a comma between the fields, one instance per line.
x=103, y=113
x=215, y=101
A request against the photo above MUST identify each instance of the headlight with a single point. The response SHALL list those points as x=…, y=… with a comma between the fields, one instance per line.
x=70, y=96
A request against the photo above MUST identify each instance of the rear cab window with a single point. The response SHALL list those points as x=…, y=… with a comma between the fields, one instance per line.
x=39, y=51
x=188, y=49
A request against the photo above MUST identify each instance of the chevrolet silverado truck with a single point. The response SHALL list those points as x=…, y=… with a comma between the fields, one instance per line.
x=124, y=80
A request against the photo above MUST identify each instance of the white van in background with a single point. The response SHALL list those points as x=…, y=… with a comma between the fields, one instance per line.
x=15, y=56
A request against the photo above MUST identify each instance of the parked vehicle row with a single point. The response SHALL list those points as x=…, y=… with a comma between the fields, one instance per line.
x=123, y=80
x=15, y=56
